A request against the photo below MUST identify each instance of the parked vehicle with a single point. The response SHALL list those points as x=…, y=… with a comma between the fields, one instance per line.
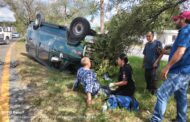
x=57, y=45
x=15, y=35
x=5, y=35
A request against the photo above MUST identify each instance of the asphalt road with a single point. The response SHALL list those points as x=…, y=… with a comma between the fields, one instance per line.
x=13, y=107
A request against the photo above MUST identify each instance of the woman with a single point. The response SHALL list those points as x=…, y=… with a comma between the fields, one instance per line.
x=125, y=84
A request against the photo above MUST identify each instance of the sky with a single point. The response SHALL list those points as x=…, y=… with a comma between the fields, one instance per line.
x=7, y=15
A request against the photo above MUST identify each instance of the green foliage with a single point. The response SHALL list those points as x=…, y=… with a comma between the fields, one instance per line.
x=54, y=96
x=127, y=27
x=105, y=67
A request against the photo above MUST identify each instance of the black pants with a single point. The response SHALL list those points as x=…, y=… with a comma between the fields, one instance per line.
x=150, y=77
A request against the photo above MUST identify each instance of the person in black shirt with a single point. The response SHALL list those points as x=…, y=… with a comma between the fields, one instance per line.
x=126, y=85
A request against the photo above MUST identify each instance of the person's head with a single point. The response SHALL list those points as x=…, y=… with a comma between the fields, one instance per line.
x=150, y=36
x=182, y=19
x=85, y=62
x=122, y=60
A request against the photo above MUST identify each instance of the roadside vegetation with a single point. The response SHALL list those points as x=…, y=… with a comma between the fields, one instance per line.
x=52, y=98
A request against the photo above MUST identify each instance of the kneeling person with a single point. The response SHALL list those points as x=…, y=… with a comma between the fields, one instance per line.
x=126, y=86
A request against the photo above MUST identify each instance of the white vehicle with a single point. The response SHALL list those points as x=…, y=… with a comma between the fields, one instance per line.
x=5, y=35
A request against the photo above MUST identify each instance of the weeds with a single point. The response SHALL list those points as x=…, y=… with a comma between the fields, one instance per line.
x=53, y=98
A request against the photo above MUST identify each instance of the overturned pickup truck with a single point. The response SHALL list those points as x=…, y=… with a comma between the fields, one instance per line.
x=57, y=45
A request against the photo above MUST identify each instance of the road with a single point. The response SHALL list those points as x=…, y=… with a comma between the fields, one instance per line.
x=13, y=107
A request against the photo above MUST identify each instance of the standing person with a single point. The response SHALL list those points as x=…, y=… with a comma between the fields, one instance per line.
x=176, y=72
x=151, y=61
x=125, y=84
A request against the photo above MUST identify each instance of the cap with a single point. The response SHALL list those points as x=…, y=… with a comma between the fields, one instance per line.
x=182, y=15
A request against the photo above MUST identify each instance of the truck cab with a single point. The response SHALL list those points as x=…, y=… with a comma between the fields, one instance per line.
x=5, y=35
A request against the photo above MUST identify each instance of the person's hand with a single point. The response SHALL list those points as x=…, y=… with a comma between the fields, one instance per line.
x=164, y=72
x=112, y=86
x=164, y=51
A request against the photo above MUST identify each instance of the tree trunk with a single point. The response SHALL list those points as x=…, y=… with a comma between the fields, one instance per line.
x=102, y=16
x=117, y=6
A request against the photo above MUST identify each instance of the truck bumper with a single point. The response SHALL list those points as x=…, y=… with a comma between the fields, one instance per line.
x=2, y=41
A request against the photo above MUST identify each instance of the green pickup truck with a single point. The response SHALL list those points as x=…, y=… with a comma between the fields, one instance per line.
x=57, y=45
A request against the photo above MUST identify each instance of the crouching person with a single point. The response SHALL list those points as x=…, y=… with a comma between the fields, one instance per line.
x=87, y=78
x=125, y=85
x=123, y=94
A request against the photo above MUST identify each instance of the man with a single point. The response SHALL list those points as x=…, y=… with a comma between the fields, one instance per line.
x=176, y=72
x=151, y=61
x=87, y=78
x=125, y=84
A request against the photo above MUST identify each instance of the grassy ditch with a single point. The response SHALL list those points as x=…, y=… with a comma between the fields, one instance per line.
x=53, y=100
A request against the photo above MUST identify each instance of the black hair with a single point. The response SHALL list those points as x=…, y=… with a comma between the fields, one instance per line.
x=125, y=59
x=123, y=56
x=152, y=32
x=187, y=21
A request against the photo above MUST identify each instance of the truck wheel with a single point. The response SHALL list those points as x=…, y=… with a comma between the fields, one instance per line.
x=38, y=21
x=79, y=28
x=56, y=65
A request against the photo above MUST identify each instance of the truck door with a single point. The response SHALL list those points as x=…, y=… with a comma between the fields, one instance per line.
x=31, y=44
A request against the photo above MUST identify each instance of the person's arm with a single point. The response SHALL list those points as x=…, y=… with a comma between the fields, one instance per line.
x=144, y=53
x=75, y=85
x=143, y=62
x=176, y=57
x=120, y=83
x=124, y=81
x=89, y=98
x=159, y=52
x=157, y=61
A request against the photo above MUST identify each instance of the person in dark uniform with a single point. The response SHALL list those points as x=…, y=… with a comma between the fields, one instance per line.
x=125, y=85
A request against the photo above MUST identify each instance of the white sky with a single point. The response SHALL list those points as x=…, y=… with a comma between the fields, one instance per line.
x=6, y=15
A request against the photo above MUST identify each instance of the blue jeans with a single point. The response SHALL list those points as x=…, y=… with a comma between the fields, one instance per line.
x=177, y=84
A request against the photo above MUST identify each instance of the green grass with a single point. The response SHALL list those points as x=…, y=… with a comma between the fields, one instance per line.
x=55, y=101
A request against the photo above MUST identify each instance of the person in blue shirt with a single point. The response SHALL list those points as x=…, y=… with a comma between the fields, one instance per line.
x=87, y=78
x=152, y=57
x=176, y=73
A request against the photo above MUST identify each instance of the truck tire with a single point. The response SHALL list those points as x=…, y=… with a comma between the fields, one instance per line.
x=38, y=21
x=79, y=28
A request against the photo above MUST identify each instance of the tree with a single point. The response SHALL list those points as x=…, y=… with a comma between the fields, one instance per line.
x=57, y=12
x=102, y=16
x=127, y=27
x=117, y=5
x=63, y=11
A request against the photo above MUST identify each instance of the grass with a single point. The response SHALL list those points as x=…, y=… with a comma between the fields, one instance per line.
x=53, y=100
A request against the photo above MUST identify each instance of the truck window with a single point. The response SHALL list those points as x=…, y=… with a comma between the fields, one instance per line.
x=0, y=30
